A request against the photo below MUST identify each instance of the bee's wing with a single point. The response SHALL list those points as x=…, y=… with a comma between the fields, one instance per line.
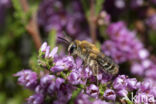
x=106, y=63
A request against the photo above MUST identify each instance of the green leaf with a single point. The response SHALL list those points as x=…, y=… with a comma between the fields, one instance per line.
x=128, y=101
x=52, y=38
x=74, y=95
x=98, y=6
x=86, y=7
x=98, y=45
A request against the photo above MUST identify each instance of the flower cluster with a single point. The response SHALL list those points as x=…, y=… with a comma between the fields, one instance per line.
x=123, y=44
x=151, y=22
x=53, y=15
x=65, y=81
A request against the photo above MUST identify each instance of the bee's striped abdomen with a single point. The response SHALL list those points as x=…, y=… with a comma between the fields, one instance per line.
x=107, y=65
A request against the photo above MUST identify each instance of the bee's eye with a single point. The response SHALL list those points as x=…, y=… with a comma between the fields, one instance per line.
x=72, y=48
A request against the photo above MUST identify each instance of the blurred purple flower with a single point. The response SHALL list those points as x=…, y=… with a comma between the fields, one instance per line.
x=137, y=68
x=151, y=22
x=143, y=54
x=47, y=52
x=153, y=1
x=145, y=86
x=43, y=47
x=100, y=102
x=52, y=14
x=123, y=44
x=120, y=82
x=110, y=94
x=35, y=99
x=51, y=87
x=46, y=80
x=92, y=90
x=59, y=81
x=136, y=3
x=62, y=64
x=82, y=99
x=74, y=78
x=122, y=92
x=146, y=63
x=72, y=27
x=131, y=83
x=53, y=52
x=120, y=4
x=40, y=90
x=27, y=78
x=64, y=93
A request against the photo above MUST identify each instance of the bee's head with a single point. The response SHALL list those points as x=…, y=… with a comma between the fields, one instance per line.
x=72, y=48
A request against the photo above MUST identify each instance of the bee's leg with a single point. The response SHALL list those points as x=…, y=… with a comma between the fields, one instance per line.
x=94, y=66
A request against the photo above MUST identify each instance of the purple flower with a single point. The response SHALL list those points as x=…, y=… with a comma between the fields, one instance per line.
x=120, y=4
x=46, y=80
x=57, y=17
x=35, y=99
x=61, y=85
x=86, y=73
x=131, y=83
x=143, y=53
x=59, y=81
x=151, y=22
x=57, y=68
x=150, y=73
x=47, y=52
x=27, y=78
x=72, y=26
x=51, y=87
x=110, y=94
x=120, y=82
x=49, y=14
x=82, y=99
x=64, y=93
x=146, y=63
x=100, y=102
x=153, y=91
x=145, y=86
x=5, y=3
x=114, y=28
x=43, y=47
x=122, y=92
x=92, y=90
x=137, y=68
x=123, y=44
x=53, y=52
x=40, y=90
x=74, y=78
x=64, y=63
x=136, y=3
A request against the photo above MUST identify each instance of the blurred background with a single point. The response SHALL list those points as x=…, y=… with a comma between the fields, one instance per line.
x=25, y=24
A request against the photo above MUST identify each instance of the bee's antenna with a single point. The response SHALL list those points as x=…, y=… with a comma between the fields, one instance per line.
x=65, y=40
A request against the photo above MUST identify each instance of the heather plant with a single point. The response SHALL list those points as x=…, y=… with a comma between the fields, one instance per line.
x=124, y=30
x=61, y=81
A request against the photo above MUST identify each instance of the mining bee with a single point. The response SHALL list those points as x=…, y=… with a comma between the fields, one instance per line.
x=91, y=56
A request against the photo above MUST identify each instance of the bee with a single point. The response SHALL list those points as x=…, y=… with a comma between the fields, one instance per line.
x=92, y=56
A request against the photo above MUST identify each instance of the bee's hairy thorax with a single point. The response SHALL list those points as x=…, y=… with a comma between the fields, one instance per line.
x=93, y=57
